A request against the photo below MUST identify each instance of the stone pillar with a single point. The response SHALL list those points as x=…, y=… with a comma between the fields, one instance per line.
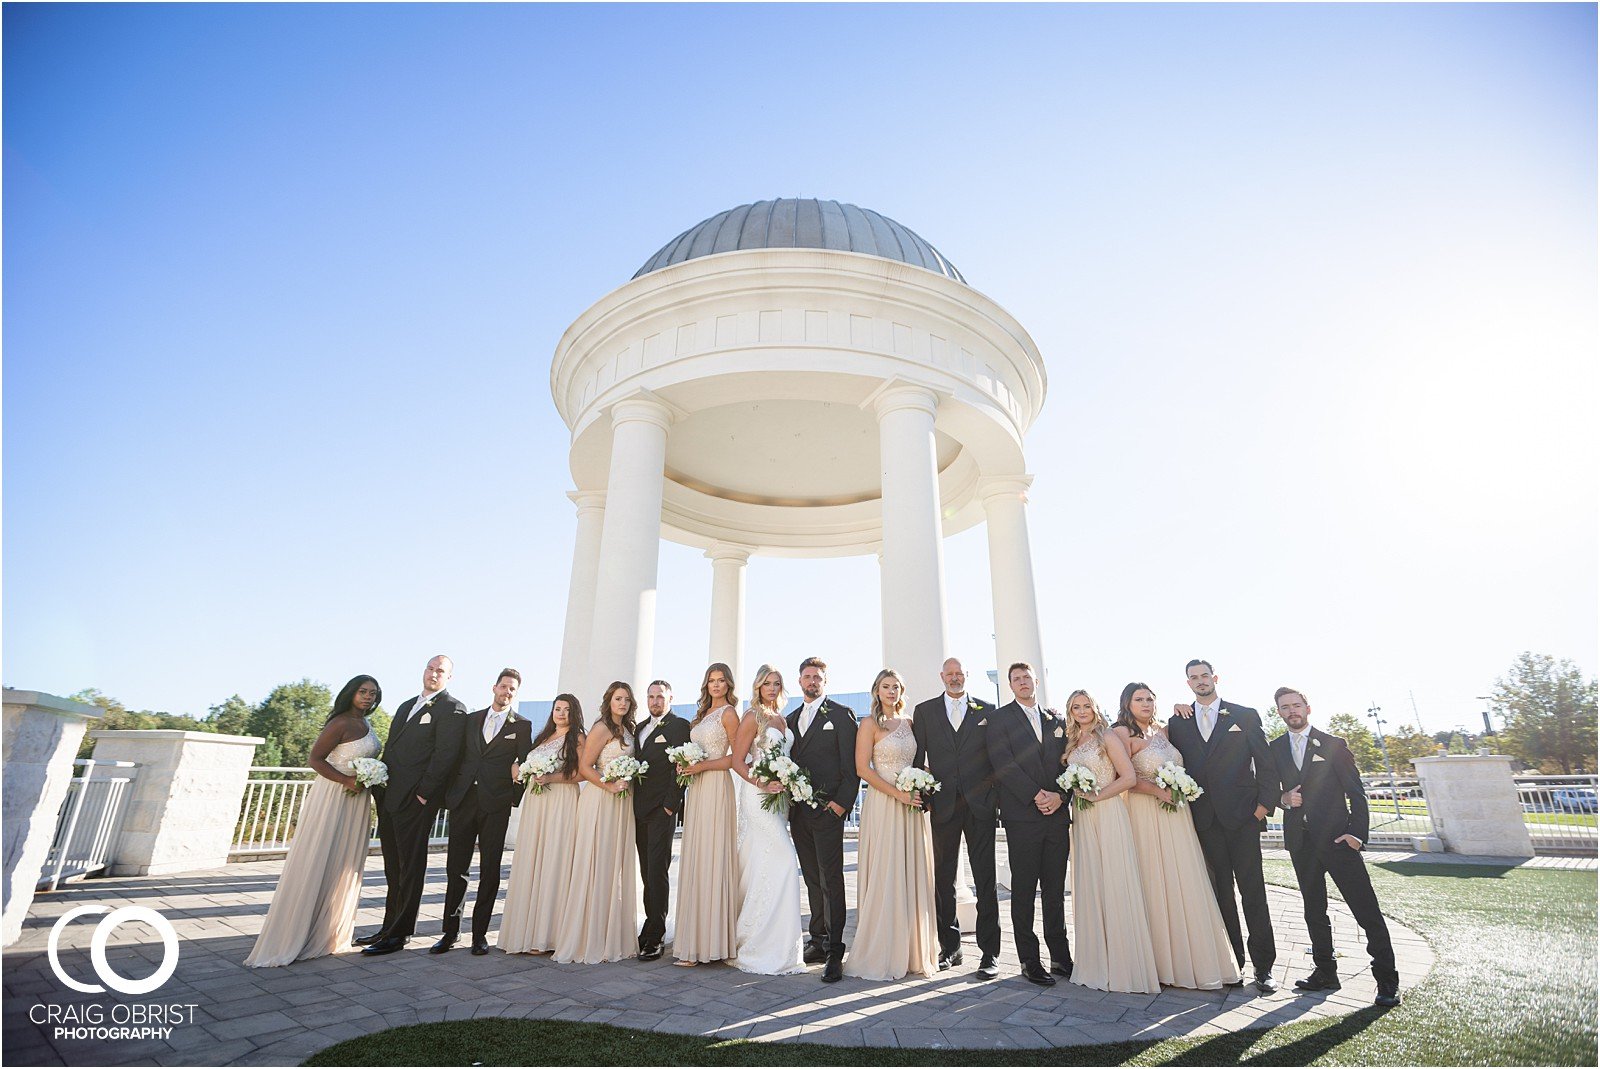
x=185, y=801
x=623, y=635
x=915, y=621
x=1474, y=806
x=728, y=563
x=1016, y=605
x=41, y=737
x=580, y=595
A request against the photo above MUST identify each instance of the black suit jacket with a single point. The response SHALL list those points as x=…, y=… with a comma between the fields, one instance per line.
x=659, y=789
x=959, y=760
x=422, y=750
x=1223, y=766
x=488, y=765
x=828, y=753
x=1333, y=801
x=1024, y=765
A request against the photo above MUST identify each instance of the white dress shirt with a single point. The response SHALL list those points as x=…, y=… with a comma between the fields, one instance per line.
x=1207, y=716
x=808, y=712
x=422, y=699
x=644, y=727
x=1032, y=712
x=493, y=723
x=955, y=708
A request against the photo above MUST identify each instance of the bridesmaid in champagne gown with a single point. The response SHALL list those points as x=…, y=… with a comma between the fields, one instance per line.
x=708, y=874
x=894, y=859
x=541, y=863
x=600, y=921
x=1110, y=929
x=1191, y=945
x=313, y=911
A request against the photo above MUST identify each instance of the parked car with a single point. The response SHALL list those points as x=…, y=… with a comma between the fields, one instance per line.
x=1574, y=799
x=1385, y=793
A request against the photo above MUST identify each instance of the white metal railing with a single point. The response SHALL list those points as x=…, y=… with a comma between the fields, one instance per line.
x=270, y=810
x=90, y=821
x=1560, y=812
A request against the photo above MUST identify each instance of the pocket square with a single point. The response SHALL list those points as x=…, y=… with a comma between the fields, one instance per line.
x=659, y=741
x=827, y=725
x=982, y=722
x=1236, y=727
x=1059, y=732
x=1317, y=757
x=425, y=718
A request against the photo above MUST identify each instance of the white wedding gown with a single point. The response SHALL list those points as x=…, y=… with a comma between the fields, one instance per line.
x=769, y=881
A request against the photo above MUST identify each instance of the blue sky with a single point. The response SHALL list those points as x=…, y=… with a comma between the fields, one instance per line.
x=1315, y=286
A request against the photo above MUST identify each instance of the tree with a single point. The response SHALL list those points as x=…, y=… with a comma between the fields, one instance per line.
x=1550, y=714
x=1408, y=744
x=293, y=715
x=232, y=717
x=1363, y=746
x=1273, y=724
x=118, y=717
x=1458, y=745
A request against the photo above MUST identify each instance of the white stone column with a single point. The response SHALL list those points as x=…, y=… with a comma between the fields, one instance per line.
x=574, y=677
x=622, y=638
x=41, y=737
x=1474, y=805
x=915, y=621
x=728, y=563
x=1016, y=604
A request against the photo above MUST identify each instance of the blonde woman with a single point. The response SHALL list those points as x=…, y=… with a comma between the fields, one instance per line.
x=708, y=875
x=894, y=860
x=1109, y=924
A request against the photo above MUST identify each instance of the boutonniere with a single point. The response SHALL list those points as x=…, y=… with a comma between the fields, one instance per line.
x=1222, y=711
x=972, y=703
x=1316, y=742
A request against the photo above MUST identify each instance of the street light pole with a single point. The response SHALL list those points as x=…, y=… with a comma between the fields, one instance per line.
x=1383, y=748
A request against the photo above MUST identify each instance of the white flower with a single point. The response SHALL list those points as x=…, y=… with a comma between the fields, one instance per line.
x=916, y=781
x=1081, y=782
x=369, y=772
x=624, y=768
x=539, y=765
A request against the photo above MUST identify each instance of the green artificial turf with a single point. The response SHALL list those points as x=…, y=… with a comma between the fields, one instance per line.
x=1514, y=983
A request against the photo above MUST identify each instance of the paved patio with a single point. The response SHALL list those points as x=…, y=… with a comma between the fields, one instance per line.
x=281, y=1016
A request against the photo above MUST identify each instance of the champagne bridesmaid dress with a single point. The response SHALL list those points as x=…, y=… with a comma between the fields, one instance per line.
x=894, y=875
x=313, y=911
x=708, y=873
x=541, y=864
x=1186, y=932
x=601, y=919
x=1109, y=929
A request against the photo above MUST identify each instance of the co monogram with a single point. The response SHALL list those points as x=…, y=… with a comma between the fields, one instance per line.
x=97, y=950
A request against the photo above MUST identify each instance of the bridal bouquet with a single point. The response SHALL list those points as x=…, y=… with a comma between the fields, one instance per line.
x=623, y=768
x=539, y=765
x=369, y=772
x=773, y=765
x=690, y=753
x=1182, y=787
x=916, y=781
x=1081, y=782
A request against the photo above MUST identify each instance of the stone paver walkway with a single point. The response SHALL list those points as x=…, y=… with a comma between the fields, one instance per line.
x=280, y=1016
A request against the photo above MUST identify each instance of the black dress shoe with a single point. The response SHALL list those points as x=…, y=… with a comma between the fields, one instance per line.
x=446, y=941
x=366, y=940
x=1388, y=994
x=1035, y=973
x=833, y=971
x=480, y=947
x=1265, y=984
x=987, y=969
x=1062, y=970
x=950, y=961
x=1319, y=981
x=650, y=953
x=387, y=945
x=814, y=954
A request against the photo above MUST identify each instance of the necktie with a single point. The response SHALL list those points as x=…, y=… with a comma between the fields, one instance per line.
x=1299, y=751
x=956, y=707
x=491, y=726
x=1033, y=722
x=1207, y=723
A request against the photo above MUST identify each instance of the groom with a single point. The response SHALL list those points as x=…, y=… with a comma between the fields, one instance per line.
x=657, y=803
x=825, y=748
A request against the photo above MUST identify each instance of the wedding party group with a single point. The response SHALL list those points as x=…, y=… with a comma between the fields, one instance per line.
x=1160, y=826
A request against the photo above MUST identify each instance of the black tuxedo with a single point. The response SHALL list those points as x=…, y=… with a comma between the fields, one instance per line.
x=1037, y=845
x=1333, y=802
x=965, y=804
x=480, y=801
x=421, y=753
x=827, y=753
x=657, y=807
x=1236, y=770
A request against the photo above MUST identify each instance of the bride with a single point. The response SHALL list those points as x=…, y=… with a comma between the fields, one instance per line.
x=769, y=871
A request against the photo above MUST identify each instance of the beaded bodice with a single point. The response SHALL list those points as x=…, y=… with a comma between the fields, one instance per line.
x=1157, y=752
x=895, y=749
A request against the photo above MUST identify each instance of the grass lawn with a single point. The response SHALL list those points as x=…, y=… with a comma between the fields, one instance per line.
x=1514, y=983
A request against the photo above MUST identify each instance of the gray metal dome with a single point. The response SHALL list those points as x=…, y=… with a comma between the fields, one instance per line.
x=791, y=223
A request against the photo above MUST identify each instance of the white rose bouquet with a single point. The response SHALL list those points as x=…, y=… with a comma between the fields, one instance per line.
x=774, y=766
x=369, y=772
x=624, y=768
x=916, y=781
x=1181, y=786
x=690, y=753
x=1081, y=782
x=539, y=765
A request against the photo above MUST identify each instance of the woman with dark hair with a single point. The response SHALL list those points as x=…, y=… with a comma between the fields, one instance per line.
x=1191, y=945
x=708, y=874
x=313, y=911
x=600, y=918
x=541, y=864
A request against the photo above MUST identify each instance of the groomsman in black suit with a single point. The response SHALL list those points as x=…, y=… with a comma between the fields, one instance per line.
x=1325, y=826
x=1025, y=744
x=657, y=805
x=1225, y=750
x=824, y=734
x=480, y=803
x=421, y=753
x=950, y=732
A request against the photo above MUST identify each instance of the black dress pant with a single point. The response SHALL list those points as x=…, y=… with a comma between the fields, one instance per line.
x=978, y=827
x=1313, y=863
x=471, y=828
x=1038, y=853
x=403, y=837
x=653, y=838
x=1234, y=856
x=819, y=843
